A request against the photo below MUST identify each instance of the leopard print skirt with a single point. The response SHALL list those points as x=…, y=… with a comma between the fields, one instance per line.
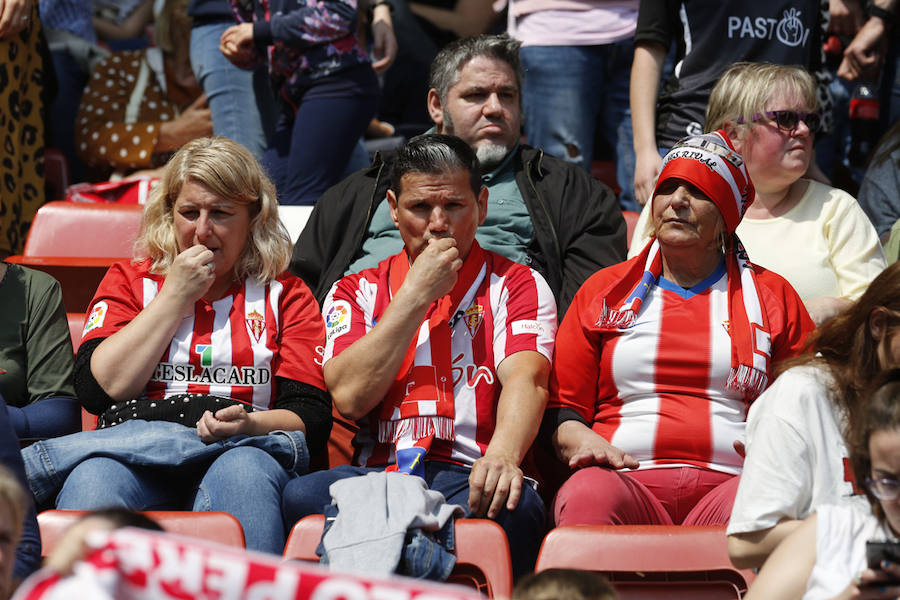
x=21, y=134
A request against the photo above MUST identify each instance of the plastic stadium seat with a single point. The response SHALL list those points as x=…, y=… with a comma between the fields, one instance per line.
x=675, y=590
x=76, y=326
x=211, y=526
x=76, y=243
x=482, y=553
x=80, y=230
x=641, y=554
x=631, y=219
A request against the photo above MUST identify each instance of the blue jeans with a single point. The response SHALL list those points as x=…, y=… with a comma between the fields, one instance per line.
x=241, y=101
x=524, y=526
x=311, y=148
x=568, y=91
x=146, y=465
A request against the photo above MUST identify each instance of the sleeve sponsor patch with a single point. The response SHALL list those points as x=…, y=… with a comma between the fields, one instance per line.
x=528, y=326
x=337, y=319
x=96, y=318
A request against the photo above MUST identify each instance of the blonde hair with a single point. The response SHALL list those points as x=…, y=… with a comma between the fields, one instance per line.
x=13, y=497
x=171, y=26
x=746, y=87
x=230, y=171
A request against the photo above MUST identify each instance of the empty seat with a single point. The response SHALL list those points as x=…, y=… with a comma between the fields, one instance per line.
x=76, y=243
x=634, y=554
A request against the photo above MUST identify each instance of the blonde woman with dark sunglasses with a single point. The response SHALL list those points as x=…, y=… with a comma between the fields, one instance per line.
x=813, y=235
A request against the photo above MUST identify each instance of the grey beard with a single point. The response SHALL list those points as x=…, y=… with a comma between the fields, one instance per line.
x=490, y=155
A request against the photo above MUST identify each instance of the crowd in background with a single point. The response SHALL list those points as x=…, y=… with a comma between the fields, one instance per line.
x=794, y=107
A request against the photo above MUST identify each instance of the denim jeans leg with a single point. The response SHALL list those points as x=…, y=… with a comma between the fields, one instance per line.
x=310, y=149
x=616, y=117
x=308, y=494
x=561, y=97
x=248, y=483
x=240, y=100
x=103, y=482
x=524, y=526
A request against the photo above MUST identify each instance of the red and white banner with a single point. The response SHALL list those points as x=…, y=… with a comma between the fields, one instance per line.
x=133, y=564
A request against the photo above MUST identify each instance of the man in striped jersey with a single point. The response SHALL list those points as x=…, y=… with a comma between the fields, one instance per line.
x=442, y=352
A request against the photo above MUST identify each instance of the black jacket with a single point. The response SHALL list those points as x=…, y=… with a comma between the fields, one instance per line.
x=578, y=225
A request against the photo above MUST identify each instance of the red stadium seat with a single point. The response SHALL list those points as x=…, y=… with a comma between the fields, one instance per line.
x=77, y=242
x=211, y=526
x=76, y=326
x=641, y=554
x=482, y=553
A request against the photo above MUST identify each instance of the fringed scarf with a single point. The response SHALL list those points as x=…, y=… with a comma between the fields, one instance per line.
x=419, y=406
x=619, y=305
x=711, y=164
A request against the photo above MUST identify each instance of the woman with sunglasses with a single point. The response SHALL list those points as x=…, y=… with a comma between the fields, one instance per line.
x=826, y=557
x=796, y=457
x=813, y=235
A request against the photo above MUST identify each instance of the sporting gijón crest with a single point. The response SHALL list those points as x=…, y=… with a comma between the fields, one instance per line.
x=256, y=325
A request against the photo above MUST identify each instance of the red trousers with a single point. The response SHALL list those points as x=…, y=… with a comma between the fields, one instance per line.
x=665, y=496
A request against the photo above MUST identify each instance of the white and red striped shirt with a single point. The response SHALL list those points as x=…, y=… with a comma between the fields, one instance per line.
x=509, y=308
x=233, y=347
x=657, y=390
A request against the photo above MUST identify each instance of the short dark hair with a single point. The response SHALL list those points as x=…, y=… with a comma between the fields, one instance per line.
x=564, y=583
x=435, y=153
x=453, y=57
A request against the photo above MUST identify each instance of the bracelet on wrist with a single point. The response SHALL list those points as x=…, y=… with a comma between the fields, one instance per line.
x=872, y=10
x=370, y=11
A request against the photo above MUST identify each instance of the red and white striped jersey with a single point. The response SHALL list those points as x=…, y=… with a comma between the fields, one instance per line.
x=233, y=347
x=657, y=390
x=507, y=309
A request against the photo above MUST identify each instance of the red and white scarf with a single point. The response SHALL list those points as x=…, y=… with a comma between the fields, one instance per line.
x=751, y=343
x=419, y=406
x=710, y=163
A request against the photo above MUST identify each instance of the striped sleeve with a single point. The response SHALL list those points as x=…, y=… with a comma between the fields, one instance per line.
x=525, y=317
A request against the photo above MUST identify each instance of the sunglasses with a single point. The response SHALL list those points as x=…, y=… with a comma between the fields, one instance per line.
x=787, y=120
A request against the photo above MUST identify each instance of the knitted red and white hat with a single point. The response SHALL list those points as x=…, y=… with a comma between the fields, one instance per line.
x=711, y=163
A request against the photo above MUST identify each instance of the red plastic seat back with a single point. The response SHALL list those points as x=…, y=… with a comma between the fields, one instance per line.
x=69, y=229
x=482, y=553
x=212, y=526
x=656, y=552
x=76, y=326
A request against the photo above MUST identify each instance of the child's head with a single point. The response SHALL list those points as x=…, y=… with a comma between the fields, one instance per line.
x=874, y=445
x=571, y=584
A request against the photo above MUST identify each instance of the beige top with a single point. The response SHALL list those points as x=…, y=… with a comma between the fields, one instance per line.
x=824, y=246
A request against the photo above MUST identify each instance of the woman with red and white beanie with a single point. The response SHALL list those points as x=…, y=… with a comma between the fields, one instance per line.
x=659, y=357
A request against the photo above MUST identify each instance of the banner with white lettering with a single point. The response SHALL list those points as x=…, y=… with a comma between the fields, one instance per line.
x=133, y=564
